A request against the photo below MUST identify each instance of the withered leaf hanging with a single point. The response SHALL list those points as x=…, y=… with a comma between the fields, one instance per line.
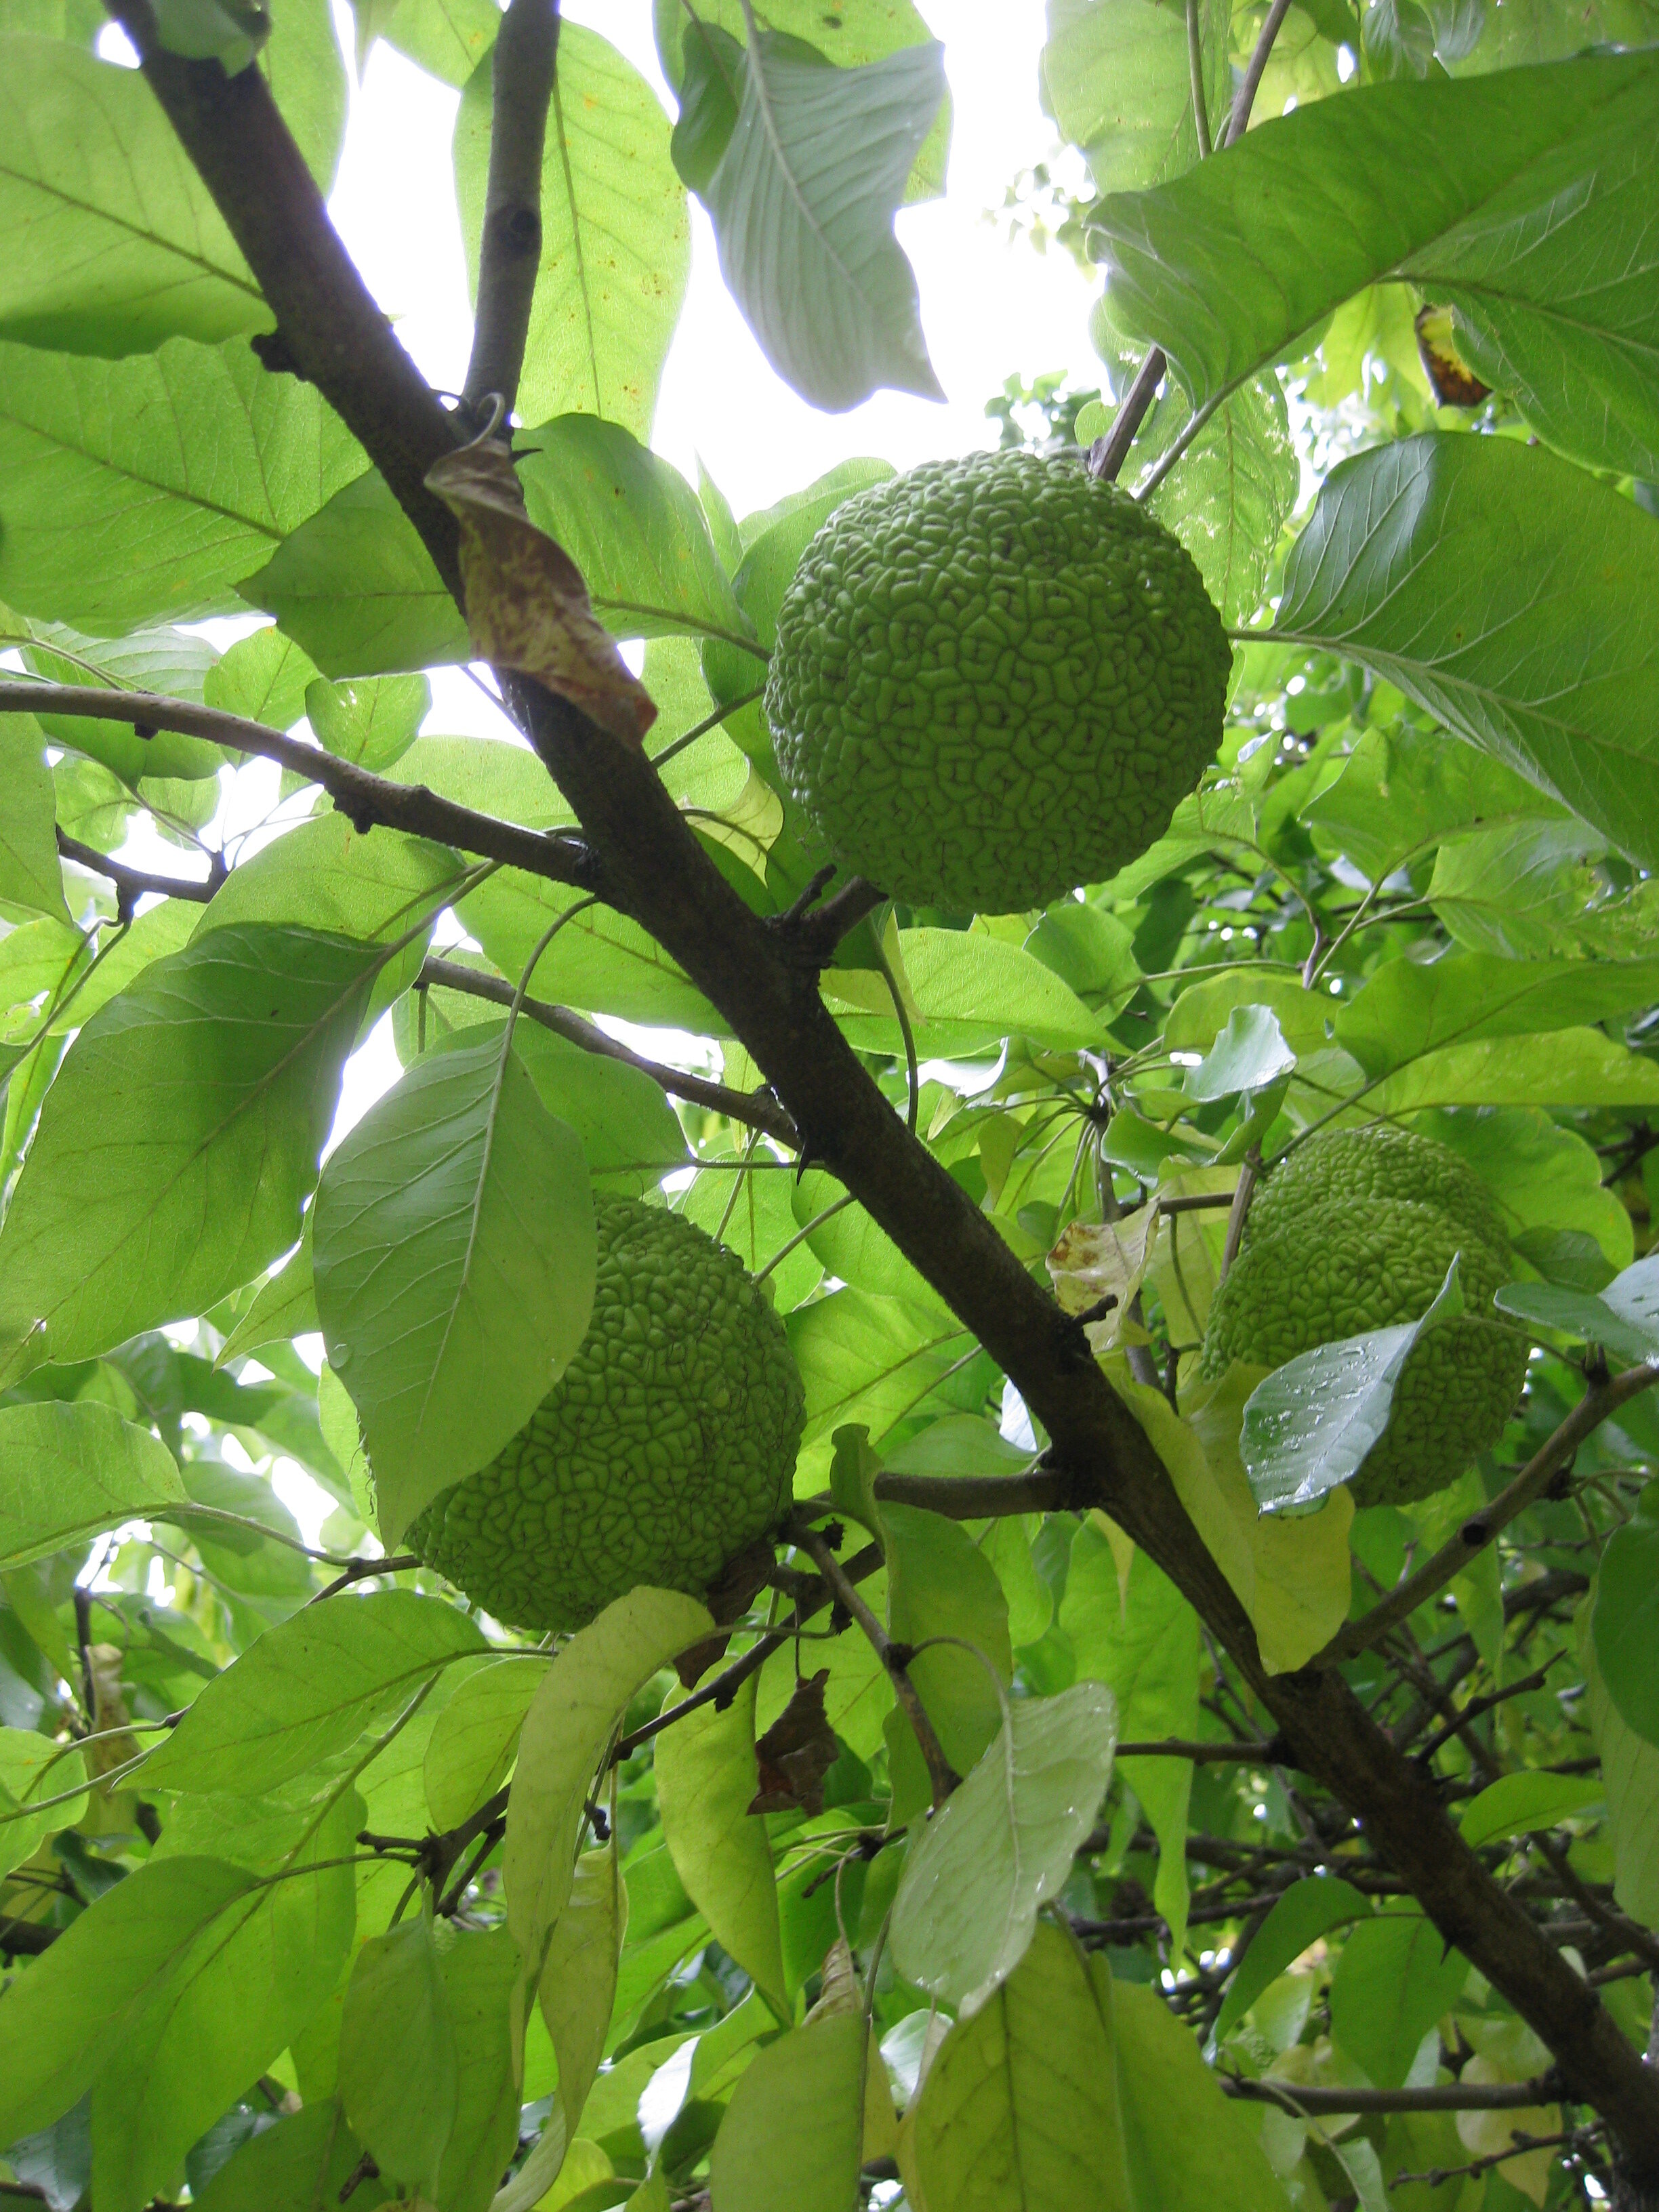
x=527, y=604
x=796, y=1753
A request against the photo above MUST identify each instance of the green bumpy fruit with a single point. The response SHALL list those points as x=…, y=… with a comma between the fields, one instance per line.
x=1355, y=1232
x=993, y=679
x=666, y=1445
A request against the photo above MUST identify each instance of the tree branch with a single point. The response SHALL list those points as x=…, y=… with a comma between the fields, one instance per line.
x=523, y=67
x=757, y=1111
x=1042, y=1489
x=131, y=884
x=675, y=891
x=1480, y=1528
x=1299, y=2097
x=365, y=799
x=1250, y=84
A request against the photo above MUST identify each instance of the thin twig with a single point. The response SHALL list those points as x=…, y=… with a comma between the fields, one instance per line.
x=134, y=883
x=523, y=65
x=1297, y=2097
x=361, y=1570
x=1195, y=77
x=757, y=1111
x=363, y=799
x=941, y=1775
x=1480, y=1528
x=1250, y=84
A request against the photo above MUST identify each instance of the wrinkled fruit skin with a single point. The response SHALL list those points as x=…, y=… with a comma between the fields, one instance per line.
x=1355, y=1232
x=667, y=1444
x=993, y=679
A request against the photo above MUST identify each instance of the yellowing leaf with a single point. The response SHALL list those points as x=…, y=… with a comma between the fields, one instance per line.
x=527, y=606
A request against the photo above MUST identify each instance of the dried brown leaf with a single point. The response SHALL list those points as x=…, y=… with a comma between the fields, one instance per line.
x=527, y=606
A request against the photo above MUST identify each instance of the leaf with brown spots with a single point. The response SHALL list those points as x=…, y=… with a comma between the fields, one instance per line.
x=527, y=604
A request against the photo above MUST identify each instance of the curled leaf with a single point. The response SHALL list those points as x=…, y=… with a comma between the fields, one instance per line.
x=797, y=1752
x=527, y=607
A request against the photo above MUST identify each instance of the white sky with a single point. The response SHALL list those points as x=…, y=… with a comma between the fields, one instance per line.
x=988, y=308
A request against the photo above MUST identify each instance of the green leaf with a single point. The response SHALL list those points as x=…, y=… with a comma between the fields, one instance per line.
x=262, y=678
x=302, y=65
x=1309, y=1426
x=399, y=2071
x=96, y=262
x=449, y=37
x=67, y=2016
x=1509, y=197
x=237, y=1996
x=803, y=204
x=706, y=1777
x=373, y=723
x=302, y=2164
x=1629, y=1774
x=33, y=1768
x=1567, y=1068
x=480, y=1970
x=579, y=1981
x=629, y=1132
x=356, y=589
x=1405, y=1009
x=1623, y=1625
x=203, y=1093
x=472, y=1743
x=1395, y=1978
x=30, y=876
x=1141, y=1640
x=308, y=1689
x=1002, y=1846
x=1623, y=1318
x=566, y=1732
x=969, y=990
x=1403, y=790
x=324, y=874
x=1247, y=1055
x=1516, y=1804
x=1019, y=2111
x=599, y=958
x=634, y=528
x=858, y=31
x=1114, y=77
x=1170, y=2098
x=455, y=1260
x=616, y=248
x=1503, y=590
x=72, y=1470
x=1517, y=892
x=1309, y=1908
x=1233, y=488
x=285, y=1306
x=940, y=1583
x=798, y=2109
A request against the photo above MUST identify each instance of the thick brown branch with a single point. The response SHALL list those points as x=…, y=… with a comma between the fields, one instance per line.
x=1481, y=1528
x=365, y=799
x=509, y=250
x=331, y=331
x=756, y=1110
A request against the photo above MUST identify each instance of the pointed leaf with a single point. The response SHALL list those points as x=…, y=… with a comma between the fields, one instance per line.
x=579, y=1981
x=479, y=1971
x=803, y=203
x=1506, y=593
x=113, y=240
x=30, y=876
x=798, y=2109
x=1170, y=2097
x=455, y=1258
x=705, y=1779
x=1002, y=1846
x=566, y=1732
x=180, y=1137
x=71, y=1469
x=1623, y=1622
x=473, y=1741
x=302, y=2164
x=1019, y=2111
x=1395, y=1978
x=399, y=2075
x=615, y=244
x=1309, y=1908
x=308, y=1688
